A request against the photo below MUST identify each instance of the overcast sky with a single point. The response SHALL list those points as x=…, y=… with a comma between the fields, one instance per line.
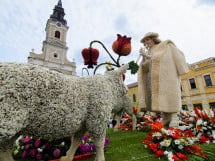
x=188, y=23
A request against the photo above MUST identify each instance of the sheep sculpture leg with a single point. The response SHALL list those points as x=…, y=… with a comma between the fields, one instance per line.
x=6, y=150
x=6, y=155
x=75, y=141
x=99, y=143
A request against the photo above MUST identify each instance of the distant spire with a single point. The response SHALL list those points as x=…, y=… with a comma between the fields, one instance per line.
x=59, y=3
x=58, y=13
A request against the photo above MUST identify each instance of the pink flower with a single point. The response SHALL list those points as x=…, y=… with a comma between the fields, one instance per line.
x=27, y=146
x=24, y=154
x=33, y=153
x=56, y=153
x=27, y=139
x=37, y=143
x=39, y=156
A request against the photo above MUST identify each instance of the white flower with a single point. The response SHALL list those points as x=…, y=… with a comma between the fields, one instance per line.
x=39, y=149
x=213, y=134
x=183, y=127
x=169, y=155
x=191, y=119
x=62, y=143
x=18, y=139
x=211, y=113
x=164, y=131
x=180, y=146
x=190, y=141
x=157, y=134
x=190, y=125
x=177, y=142
x=162, y=143
x=204, y=128
x=199, y=122
x=205, y=123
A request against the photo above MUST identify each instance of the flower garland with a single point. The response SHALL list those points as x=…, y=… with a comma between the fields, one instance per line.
x=27, y=147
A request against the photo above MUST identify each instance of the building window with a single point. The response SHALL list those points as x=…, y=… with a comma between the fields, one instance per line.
x=208, y=81
x=212, y=106
x=198, y=105
x=55, y=55
x=57, y=34
x=184, y=107
x=134, y=98
x=192, y=83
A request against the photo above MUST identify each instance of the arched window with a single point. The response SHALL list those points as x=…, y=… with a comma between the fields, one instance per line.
x=57, y=34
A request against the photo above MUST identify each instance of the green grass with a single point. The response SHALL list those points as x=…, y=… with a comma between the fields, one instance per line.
x=127, y=146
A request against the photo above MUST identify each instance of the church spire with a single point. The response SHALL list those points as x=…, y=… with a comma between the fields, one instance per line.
x=59, y=3
x=58, y=13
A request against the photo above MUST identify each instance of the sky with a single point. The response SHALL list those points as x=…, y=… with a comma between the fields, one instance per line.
x=188, y=23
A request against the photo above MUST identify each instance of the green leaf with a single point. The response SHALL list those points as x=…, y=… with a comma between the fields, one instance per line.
x=133, y=67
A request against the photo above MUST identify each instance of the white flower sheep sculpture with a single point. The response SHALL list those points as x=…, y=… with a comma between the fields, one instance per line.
x=43, y=103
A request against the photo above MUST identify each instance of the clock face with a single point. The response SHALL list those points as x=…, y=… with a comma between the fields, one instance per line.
x=59, y=24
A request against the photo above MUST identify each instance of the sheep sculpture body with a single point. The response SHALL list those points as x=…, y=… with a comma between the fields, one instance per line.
x=42, y=103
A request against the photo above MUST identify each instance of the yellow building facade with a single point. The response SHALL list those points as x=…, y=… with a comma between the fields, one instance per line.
x=198, y=86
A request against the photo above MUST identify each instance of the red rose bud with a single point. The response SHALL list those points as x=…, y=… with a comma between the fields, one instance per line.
x=90, y=56
x=122, y=46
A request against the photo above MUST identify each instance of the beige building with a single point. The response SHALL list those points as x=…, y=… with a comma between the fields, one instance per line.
x=54, y=50
x=198, y=86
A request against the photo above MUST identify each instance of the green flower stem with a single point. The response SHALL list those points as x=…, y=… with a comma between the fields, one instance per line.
x=102, y=65
x=97, y=41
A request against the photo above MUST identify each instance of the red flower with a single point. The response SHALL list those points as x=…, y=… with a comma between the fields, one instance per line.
x=182, y=156
x=213, y=119
x=196, y=147
x=157, y=126
x=122, y=46
x=90, y=56
x=198, y=111
x=134, y=110
x=175, y=158
x=159, y=153
x=153, y=147
x=203, y=139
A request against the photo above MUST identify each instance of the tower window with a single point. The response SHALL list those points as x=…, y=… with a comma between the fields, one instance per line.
x=57, y=34
x=208, y=81
x=134, y=98
x=192, y=83
x=55, y=55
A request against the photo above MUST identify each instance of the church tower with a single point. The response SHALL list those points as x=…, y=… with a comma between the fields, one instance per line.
x=54, y=48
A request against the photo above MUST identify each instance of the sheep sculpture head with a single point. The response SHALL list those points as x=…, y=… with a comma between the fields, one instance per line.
x=46, y=104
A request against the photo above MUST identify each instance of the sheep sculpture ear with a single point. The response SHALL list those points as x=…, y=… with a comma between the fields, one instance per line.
x=122, y=69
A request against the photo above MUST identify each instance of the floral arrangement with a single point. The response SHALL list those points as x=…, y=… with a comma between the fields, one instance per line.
x=126, y=122
x=202, y=122
x=175, y=144
x=27, y=147
x=145, y=121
